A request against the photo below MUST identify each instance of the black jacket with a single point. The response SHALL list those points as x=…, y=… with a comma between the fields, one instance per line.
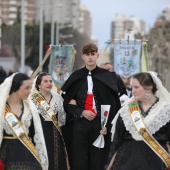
x=107, y=85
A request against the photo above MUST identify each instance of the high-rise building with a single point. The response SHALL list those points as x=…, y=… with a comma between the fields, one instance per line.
x=61, y=11
x=85, y=21
x=11, y=9
x=122, y=23
x=163, y=17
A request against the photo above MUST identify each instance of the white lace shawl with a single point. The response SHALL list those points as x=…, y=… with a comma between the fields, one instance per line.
x=39, y=137
x=158, y=116
x=56, y=103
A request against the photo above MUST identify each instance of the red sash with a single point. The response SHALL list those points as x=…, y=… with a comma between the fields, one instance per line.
x=89, y=103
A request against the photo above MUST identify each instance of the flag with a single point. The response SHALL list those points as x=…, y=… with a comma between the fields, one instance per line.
x=127, y=57
x=61, y=63
x=144, y=58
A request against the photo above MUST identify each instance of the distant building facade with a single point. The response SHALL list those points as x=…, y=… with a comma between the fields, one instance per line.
x=163, y=17
x=85, y=21
x=62, y=11
x=122, y=23
x=11, y=10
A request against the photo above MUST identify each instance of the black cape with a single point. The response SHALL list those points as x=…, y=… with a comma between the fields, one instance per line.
x=107, y=86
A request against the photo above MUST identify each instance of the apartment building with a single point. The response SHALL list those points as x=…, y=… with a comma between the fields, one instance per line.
x=122, y=23
x=11, y=10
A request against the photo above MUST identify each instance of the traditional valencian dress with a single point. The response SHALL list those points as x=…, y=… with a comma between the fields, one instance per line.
x=133, y=153
x=53, y=137
x=13, y=152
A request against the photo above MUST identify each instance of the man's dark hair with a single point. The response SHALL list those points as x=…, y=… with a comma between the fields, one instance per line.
x=88, y=48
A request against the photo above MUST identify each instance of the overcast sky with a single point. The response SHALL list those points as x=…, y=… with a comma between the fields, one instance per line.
x=103, y=12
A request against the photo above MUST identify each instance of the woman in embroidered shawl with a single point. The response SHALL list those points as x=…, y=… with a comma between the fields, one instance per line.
x=132, y=153
x=17, y=113
x=43, y=88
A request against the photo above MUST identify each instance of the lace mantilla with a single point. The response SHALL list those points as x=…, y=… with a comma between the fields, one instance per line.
x=26, y=121
x=39, y=137
x=56, y=104
x=158, y=116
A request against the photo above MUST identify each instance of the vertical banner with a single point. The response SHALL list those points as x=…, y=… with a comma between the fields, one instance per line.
x=61, y=63
x=127, y=57
x=144, y=58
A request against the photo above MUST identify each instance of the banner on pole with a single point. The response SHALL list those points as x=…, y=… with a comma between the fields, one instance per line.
x=127, y=57
x=61, y=63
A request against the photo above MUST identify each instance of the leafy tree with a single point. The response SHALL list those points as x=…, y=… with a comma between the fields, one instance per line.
x=11, y=36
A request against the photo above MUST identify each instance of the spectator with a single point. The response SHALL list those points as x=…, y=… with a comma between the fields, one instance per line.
x=2, y=74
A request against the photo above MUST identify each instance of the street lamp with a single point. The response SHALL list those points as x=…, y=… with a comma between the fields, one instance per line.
x=22, y=36
x=63, y=36
x=42, y=8
x=52, y=26
x=41, y=35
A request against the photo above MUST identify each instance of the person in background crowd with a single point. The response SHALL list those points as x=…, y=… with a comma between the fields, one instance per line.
x=122, y=90
x=10, y=73
x=125, y=97
x=2, y=74
x=84, y=92
x=50, y=109
x=127, y=82
x=141, y=129
x=121, y=86
x=21, y=136
x=107, y=66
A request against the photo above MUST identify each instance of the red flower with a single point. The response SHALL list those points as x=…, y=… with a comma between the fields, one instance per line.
x=105, y=113
x=47, y=47
x=2, y=166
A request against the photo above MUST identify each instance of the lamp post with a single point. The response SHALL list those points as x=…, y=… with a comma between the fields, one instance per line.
x=52, y=30
x=41, y=35
x=22, y=36
x=57, y=30
x=0, y=29
x=42, y=8
x=57, y=27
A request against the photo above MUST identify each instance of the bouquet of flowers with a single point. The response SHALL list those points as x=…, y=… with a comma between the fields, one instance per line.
x=2, y=166
x=99, y=142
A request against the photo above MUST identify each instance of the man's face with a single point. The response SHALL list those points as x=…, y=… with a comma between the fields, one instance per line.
x=126, y=81
x=90, y=58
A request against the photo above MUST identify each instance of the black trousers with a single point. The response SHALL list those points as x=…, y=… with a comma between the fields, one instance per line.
x=85, y=155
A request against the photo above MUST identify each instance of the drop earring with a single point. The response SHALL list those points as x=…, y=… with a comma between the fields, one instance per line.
x=147, y=95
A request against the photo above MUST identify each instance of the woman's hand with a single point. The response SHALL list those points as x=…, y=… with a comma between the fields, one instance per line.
x=103, y=131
